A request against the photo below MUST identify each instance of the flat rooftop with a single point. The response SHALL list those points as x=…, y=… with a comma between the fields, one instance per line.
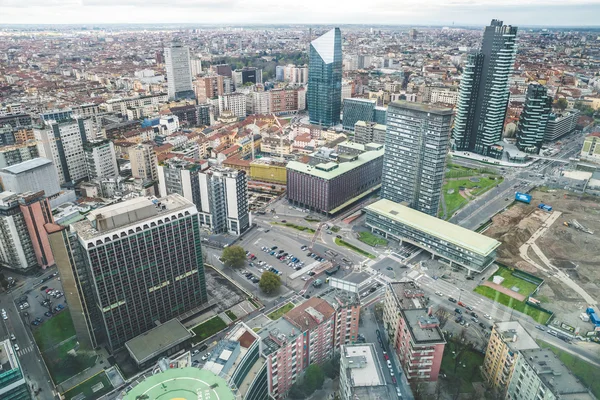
x=182, y=384
x=157, y=340
x=362, y=365
x=417, y=318
x=325, y=171
x=27, y=165
x=446, y=231
x=428, y=108
x=515, y=336
x=116, y=216
x=277, y=334
x=556, y=375
x=8, y=359
x=408, y=294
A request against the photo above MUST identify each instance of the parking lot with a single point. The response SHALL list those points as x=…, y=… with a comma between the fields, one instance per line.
x=43, y=301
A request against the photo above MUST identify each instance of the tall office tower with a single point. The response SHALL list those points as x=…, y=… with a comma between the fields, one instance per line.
x=324, y=95
x=143, y=162
x=534, y=119
x=416, y=144
x=12, y=385
x=16, y=249
x=100, y=159
x=62, y=142
x=130, y=266
x=484, y=94
x=357, y=110
x=179, y=72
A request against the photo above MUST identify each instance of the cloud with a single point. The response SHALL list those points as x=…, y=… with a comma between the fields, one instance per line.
x=196, y=4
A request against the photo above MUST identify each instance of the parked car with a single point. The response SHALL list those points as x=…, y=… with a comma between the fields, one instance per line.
x=541, y=328
x=16, y=346
x=487, y=316
x=206, y=356
x=48, y=314
x=452, y=299
x=439, y=293
x=43, y=288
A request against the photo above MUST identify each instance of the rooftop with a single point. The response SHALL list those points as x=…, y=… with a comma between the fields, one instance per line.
x=27, y=165
x=428, y=108
x=276, y=334
x=408, y=294
x=416, y=320
x=436, y=227
x=182, y=384
x=310, y=314
x=363, y=372
x=515, y=336
x=333, y=170
x=325, y=45
x=555, y=374
x=358, y=99
x=103, y=220
x=157, y=340
x=8, y=358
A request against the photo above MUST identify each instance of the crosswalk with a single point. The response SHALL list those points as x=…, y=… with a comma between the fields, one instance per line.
x=25, y=350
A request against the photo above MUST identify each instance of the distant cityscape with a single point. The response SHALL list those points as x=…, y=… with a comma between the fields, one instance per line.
x=266, y=212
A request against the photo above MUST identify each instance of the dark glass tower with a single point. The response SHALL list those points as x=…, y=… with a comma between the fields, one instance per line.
x=484, y=94
x=324, y=96
x=533, y=119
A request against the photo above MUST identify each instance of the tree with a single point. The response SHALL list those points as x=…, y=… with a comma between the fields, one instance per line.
x=561, y=104
x=379, y=311
x=296, y=392
x=442, y=315
x=331, y=368
x=269, y=282
x=233, y=256
x=313, y=379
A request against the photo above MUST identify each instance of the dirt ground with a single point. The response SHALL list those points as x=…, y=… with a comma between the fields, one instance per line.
x=576, y=252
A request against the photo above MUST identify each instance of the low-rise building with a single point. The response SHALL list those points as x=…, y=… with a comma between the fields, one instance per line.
x=361, y=374
x=591, y=148
x=268, y=170
x=463, y=247
x=506, y=340
x=369, y=132
x=12, y=385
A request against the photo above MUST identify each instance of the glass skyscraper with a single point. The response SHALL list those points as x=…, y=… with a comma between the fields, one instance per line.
x=484, y=94
x=534, y=119
x=324, y=96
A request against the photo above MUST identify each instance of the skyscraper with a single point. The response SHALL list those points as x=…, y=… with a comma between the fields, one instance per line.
x=130, y=266
x=324, y=95
x=534, y=119
x=416, y=144
x=179, y=72
x=484, y=94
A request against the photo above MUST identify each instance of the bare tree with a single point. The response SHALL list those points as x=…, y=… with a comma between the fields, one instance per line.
x=442, y=315
x=379, y=311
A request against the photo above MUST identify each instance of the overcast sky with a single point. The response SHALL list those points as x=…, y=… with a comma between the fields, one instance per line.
x=400, y=12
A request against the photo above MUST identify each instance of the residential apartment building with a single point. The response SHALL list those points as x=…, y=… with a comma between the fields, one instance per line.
x=13, y=385
x=276, y=146
x=506, y=341
x=561, y=124
x=361, y=374
x=357, y=110
x=62, y=142
x=179, y=72
x=347, y=316
x=285, y=101
x=247, y=75
x=291, y=73
x=235, y=103
x=400, y=296
x=457, y=245
x=534, y=119
x=369, y=132
x=143, y=162
x=483, y=94
x=128, y=266
x=16, y=120
x=120, y=106
x=36, y=211
x=11, y=155
x=37, y=174
x=540, y=375
x=324, y=96
x=209, y=87
x=442, y=95
x=591, y=148
x=416, y=144
x=16, y=248
x=261, y=103
x=330, y=187
x=100, y=159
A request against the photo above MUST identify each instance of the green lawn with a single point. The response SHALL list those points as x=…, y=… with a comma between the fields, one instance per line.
x=335, y=228
x=538, y=315
x=294, y=226
x=341, y=242
x=54, y=330
x=280, y=311
x=208, y=328
x=586, y=372
x=455, y=201
x=85, y=387
x=371, y=239
x=65, y=360
x=525, y=288
x=472, y=360
x=231, y=315
x=459, y=171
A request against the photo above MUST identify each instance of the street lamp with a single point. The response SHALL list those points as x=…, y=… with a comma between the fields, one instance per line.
x=460, y=294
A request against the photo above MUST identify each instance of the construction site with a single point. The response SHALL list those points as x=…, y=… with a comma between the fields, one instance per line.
x=559, y=243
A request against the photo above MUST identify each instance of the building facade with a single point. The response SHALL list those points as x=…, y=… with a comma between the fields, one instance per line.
x=330, y=187
x=11, y=155
x=234, y=103
x=357, y=110
x=414, y=164
x=13, y=385
x=483, y=94
x=591, y=148
x=179, y=72
x=16, y=248
x=143, y=162
x=369, y=132
x=561, y=124
x=459, y=246
x=31, y=176
x=36, y=211
x=100, y=159
x=361, y=374
x=62, y=142
x=143, y=262
x=534, y=119
x=324, y=94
